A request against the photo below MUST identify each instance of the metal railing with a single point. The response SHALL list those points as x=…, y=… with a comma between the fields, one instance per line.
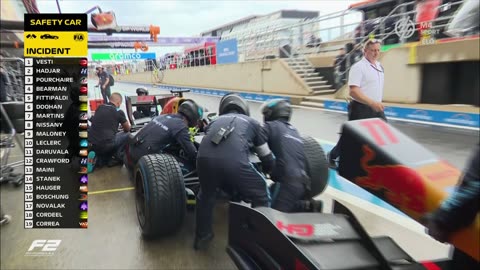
x=382, y=31
x=327, y=33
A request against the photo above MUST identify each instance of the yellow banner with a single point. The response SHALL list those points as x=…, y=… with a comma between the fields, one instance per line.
x=55, y=44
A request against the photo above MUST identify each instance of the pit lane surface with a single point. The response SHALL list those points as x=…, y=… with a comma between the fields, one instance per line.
x=113, y=239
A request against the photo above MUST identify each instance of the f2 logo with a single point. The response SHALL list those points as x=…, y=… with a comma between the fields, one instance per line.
x=46, y=245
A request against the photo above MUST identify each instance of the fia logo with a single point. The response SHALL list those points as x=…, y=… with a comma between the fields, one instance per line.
x=78, y=37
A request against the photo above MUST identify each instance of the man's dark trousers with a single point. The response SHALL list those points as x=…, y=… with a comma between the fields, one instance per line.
x=230, y=176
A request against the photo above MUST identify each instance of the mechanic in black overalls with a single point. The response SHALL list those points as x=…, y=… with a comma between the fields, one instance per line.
x=167, y=129
x=107, y=144
x=290, y=174
x=223, y=162
x=142, y=110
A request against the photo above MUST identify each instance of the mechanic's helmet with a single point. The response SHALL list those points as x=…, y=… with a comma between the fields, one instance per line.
x=233, y=103
x=98, y=67
x=191, y=111
x=276, y=109
x=142, y=91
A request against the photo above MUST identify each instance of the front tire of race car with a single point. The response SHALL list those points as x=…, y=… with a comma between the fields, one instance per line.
x=159, y=195
x=317, y=165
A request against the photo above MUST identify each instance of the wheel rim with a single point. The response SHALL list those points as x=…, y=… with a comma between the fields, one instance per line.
x=140, y=199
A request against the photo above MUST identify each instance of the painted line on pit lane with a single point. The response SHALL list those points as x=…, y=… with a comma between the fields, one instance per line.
x=111, y=190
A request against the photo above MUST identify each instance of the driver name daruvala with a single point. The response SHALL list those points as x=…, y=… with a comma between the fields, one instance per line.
x=168, y=129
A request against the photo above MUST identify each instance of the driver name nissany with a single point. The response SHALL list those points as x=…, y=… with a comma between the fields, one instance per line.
x=223, y=162
x=165, y=130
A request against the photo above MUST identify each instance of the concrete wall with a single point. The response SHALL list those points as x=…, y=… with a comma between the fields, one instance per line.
x=402, y=81
x=323, y=59
x=462, y=50
x=271, y=76
x=140, y=77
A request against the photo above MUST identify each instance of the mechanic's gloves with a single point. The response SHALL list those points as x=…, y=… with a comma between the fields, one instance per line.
x=268, y=163
x=434, y=229
x=192, y=132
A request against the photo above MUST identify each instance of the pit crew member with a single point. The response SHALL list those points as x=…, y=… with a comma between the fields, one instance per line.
x=289, y=175
x=223, y=162
x=167, y=129
x=107, y=144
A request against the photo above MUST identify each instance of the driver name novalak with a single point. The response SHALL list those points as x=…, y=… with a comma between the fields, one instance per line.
x=50, y=133
x=52, y=88
x=51, y=97
x=53, y=160
x=50, y=115
x=52, y=196
x=47, y=178
x=48, y=187
x=49, y=142
x=48, y=70
x=50, y=205
x=51, y=151
x=54, y=79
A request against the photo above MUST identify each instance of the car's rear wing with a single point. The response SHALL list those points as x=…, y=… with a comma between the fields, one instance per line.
x=179, y=92
x=264, y=238
x=154, y=101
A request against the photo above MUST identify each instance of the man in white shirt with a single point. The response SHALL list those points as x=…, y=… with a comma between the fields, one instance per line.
x=366, y=78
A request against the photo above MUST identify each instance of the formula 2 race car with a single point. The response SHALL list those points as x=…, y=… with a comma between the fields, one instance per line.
x=165, y=184
x=380, y=159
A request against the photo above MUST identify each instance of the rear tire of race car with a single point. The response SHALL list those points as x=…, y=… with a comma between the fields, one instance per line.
x=159, y=195
x=317, y=165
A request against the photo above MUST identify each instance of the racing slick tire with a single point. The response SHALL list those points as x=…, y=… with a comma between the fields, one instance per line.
x=159, y=195
x=317, y=165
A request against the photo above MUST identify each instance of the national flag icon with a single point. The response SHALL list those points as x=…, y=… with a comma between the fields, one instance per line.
x=84, y=179
x=83, y=224
x=83, y=98
x=83, y=152
x=83, y=197
x=84, y=80
x=84, y=116
x=83, y=90
x=83, y=107
x=83, y=62
x=83, y=170
x=84, y=143
x=84, y=161
x=84, y=207
x=83, y=134
x=84, y=188
x=83, y=215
